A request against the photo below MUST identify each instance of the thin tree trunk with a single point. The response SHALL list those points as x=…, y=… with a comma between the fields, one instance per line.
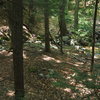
x=31, y=20
x=16, y=27
x=76, y=19
x=46, y=22
x=93, y=36
x=62, y=22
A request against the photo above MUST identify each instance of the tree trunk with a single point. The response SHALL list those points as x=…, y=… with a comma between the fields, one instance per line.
x=16, y=27
x=31, y=20
x=76, y=15
x=62, y=22
x=46, y=22
x=93, y=36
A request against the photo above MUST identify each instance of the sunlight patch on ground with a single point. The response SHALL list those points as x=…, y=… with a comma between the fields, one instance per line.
x=72, y=63
x=10, y=93
x=48, y=58
x=76, y=65
x=97, y=56
x=55, y=47
x=65, y=72
x=9, y=54
x=25, y=56
x=75, y=54
x=83, y=90
x=67, y=90
x=68, y=77
x=79, y=63
x=4, y=52
x=1, y=78
x=74, y=95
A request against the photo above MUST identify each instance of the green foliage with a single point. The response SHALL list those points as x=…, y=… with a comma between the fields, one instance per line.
x=63, y=84
x=97, y=67
x=33, y=69
x=60, y=84
x=84, y=33
x=69, y=19
x=41, y=37
x=91, y=85
x=55, y=75
x=87, y=79
x=59, y=80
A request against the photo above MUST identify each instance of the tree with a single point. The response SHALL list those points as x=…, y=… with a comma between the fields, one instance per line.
x=76, y=15
x=46, y=22
x=93, y=36
x=16, y=27
x=32, y=11
x=62, y=21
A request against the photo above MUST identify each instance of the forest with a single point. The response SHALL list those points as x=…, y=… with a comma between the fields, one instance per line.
x=49, y=49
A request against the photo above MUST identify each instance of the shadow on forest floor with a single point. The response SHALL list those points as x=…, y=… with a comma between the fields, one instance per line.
x=48, y=76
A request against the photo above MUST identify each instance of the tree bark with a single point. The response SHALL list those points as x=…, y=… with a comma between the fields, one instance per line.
x=46, y=22
x=93, y=36
x=76, y=19
x=62, y=22
x=16, y=27
x=32, y=11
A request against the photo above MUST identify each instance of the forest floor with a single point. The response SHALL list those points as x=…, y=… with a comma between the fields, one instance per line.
x=49, y=76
